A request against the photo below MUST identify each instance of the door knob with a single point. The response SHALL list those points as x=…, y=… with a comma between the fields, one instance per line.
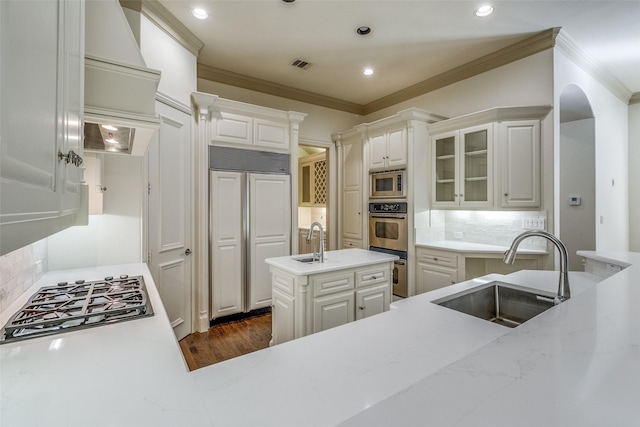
x=187, y=252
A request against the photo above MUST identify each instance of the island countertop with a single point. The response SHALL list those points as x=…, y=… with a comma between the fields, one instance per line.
x=333, y=260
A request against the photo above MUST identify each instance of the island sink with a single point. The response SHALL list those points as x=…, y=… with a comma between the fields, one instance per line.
x=307, y=259
x=498, y=302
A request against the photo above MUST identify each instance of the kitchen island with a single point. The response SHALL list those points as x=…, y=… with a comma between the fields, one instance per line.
x=310, y=297
x=416, y=364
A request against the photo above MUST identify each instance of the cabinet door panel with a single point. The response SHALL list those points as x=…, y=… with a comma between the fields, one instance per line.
x=373, y=300
x=432, y=277
x=520, y=145
x=352, y=165
x=352, y=215
x=378, y=151
x=397, y=148
x=271, y=135
x=234, y=128
x=283, y=317
x=333, y=310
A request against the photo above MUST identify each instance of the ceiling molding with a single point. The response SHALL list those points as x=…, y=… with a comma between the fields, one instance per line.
x=591, y=66
x=635, y=98
x=219, y=75
x=163, y=19
x=522, y=49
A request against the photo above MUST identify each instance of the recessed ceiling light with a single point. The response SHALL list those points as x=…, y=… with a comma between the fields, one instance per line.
x=110, y=127
x=199, y=13
x=363, y=30
x=368, y=71
x=485, y=10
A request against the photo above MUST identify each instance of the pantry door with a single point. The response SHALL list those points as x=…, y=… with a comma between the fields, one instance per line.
x=170, y=212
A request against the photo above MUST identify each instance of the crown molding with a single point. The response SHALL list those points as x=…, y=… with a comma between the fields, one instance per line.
x=583, y=59
x=635, y=98
x=219, y=75
x=164, y=20
x=519, y=50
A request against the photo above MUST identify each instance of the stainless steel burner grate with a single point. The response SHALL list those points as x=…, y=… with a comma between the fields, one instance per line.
x=63, y=307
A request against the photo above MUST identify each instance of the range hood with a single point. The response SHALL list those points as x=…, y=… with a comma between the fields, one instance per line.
x=119, y=89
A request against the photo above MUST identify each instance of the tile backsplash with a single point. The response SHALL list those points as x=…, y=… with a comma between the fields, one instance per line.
x=486, y=227
x=20, y=269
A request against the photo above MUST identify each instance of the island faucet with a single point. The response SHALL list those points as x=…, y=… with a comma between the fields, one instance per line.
x=321, y=243
x=563, y=285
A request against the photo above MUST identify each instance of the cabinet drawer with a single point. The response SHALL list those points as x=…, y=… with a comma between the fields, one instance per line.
x=379, y=274
x=283, y=282
x=325, y=284
x=351, y=244
x=448, y=259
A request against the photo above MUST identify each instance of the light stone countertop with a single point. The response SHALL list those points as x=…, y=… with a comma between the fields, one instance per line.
x=478, y=248
x=333, y=261
x=417, y=364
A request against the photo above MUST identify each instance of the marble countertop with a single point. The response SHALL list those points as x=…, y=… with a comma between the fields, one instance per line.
x=477, y=248
x=417, y=364
x=333, y=261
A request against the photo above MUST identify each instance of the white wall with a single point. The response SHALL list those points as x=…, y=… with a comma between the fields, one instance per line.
x=528, y=81
x=634, y=177
x=577, y=157
x=611, y=128
x=113, y=237
x=176, y=63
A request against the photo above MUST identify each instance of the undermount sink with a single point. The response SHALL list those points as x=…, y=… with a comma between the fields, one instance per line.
x=498, y=302
x=307, y=259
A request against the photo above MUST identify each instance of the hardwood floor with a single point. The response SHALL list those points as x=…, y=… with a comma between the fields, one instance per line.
x=227, y=340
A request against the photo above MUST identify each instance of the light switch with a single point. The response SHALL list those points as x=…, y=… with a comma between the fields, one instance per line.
x=575, y=200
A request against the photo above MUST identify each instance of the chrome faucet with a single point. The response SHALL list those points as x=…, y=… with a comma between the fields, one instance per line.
x=563, y=285
x=321, y=243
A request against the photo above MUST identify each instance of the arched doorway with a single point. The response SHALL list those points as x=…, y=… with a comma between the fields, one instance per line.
x=577, y=196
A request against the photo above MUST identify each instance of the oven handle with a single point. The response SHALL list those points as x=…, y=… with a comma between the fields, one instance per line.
x=392, y=216
x=400, y=262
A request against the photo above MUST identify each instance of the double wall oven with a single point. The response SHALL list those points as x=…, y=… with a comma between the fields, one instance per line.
x=388, y=234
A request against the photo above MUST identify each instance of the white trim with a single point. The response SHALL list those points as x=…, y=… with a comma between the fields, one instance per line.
x=568, y=46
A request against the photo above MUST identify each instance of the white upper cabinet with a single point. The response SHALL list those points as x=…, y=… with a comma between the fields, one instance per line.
x=463, y=168
x=388, y=148
x=41, y=158
x=244, y=131
x=520, y=152
x=489, y=159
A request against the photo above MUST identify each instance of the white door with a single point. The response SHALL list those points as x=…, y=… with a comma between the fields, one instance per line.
x=227, y=265
x=269, y=232
x=170, y=207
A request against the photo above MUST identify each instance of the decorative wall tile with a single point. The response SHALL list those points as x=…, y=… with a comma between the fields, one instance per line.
x=20, y=269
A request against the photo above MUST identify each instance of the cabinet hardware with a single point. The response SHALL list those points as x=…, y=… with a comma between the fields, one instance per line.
x=187, y=252
x=506, y=194
x=361, y=307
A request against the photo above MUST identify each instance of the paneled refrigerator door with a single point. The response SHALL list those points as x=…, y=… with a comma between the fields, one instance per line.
x=269, y=232
x=227, y=251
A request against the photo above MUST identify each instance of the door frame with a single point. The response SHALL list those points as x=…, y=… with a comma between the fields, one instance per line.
x=332, y=189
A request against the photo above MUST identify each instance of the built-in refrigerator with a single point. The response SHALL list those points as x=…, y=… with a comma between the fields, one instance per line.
x=250, y=220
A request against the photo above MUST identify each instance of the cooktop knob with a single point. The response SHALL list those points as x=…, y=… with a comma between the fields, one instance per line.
x=124, y=276
x=62, y=283
x=79, y=282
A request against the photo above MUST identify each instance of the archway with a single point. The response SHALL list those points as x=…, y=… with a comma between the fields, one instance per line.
x=577, y=198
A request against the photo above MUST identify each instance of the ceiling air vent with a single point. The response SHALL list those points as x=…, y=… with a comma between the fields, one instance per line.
x=299, y=63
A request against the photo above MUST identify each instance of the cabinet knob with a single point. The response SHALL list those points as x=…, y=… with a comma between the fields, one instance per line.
x=506, y=194
x=373, y=277
x=453, y=282
x=187, y=252
x=435, y=258
x=361, y=307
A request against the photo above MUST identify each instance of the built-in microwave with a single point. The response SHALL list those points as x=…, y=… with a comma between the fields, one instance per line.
x=385, y=185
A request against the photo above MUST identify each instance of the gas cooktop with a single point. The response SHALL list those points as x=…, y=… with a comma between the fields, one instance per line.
x=71, y=306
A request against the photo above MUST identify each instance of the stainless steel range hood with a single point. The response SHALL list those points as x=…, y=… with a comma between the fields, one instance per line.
x=119, y=89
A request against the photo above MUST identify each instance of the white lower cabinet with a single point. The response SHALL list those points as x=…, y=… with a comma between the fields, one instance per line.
x=435, y=269
x=303, y=305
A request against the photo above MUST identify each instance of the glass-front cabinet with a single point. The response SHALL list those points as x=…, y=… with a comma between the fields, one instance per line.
x=463, y=168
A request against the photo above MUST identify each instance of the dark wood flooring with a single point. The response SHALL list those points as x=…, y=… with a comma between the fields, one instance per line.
x=227, y=340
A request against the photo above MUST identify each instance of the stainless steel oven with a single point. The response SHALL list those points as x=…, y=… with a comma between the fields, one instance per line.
x=388, y=234
x=388, y=225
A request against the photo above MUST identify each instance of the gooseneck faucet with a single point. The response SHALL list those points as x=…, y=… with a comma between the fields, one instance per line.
x=321, y=243
x=563, y=285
